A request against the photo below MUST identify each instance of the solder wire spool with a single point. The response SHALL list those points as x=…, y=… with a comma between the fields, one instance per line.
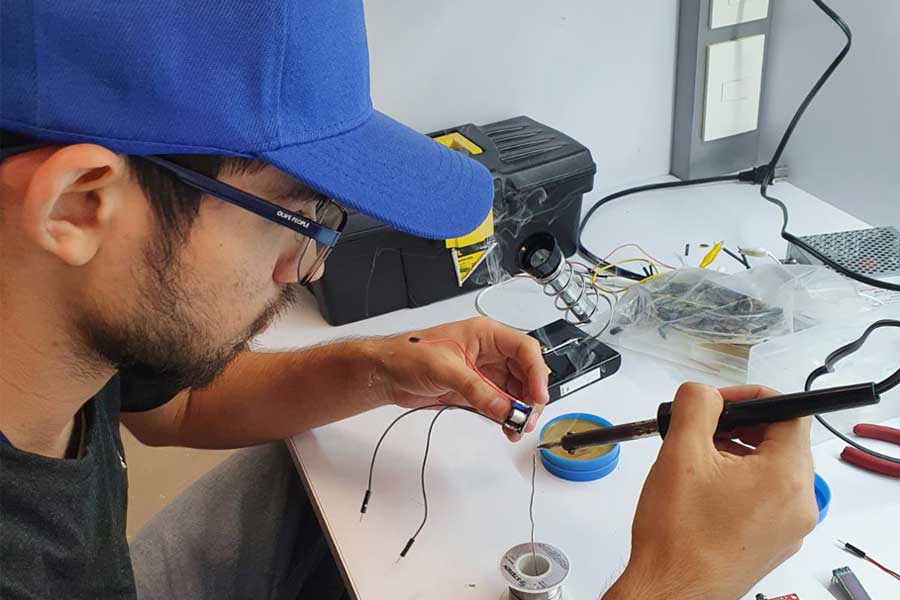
x=587, y=464
x=534, y=573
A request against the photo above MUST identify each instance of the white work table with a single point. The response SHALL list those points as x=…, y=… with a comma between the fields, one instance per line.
x=479, y=483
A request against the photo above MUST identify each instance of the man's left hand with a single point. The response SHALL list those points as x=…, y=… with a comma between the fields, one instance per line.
x=418, y=374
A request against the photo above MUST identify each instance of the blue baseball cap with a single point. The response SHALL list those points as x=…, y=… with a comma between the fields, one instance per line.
x=285, y=82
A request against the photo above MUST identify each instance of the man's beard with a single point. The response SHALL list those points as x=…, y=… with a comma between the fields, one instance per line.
x=165, y=342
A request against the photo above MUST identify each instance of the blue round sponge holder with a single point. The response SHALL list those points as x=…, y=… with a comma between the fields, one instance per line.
x=575, y=469
x=590, y=470
x=823, y=496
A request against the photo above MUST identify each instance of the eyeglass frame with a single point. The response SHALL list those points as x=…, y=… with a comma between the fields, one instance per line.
x=258, y=206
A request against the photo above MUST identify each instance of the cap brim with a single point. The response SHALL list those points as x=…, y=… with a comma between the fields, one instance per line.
x=396, y=175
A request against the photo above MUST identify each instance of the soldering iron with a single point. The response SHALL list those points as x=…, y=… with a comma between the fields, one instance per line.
x=736, y=416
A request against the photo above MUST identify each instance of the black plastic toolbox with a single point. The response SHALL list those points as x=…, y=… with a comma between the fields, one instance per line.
x=540, y=176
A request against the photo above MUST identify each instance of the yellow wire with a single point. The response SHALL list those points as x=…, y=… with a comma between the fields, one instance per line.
x=622, y=262
x=644, y=280
x=597, y=270
x=641, y=250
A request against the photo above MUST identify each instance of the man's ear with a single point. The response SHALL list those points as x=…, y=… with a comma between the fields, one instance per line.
x=71, y=198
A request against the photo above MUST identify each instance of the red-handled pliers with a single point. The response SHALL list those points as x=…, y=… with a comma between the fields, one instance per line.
x=867, y=461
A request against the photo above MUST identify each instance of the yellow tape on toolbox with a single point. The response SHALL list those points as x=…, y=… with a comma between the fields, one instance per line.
x=457, y=141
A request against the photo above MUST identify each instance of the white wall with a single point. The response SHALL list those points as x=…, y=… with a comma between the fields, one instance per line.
x=601, y=71
x=846, y=149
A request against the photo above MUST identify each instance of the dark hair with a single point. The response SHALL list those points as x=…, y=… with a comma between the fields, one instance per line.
x=175, y=204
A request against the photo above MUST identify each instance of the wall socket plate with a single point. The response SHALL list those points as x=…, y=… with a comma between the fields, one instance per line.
x=692, y=154
x=723, y=13
x=733, y=86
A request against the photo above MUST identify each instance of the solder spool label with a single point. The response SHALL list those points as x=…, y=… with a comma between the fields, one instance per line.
x=518, y=559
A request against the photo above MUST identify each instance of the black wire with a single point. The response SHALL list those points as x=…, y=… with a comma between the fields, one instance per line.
x=847, y=349
x=881, y=387
x=368, y=494
x=391, y=426
x=889, y=383
x=424, y=463
x=782, y=144
x=776, y=157
x=741, y=259
x=593, y=258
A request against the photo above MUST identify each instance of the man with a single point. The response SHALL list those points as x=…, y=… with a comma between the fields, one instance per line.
x=170, y=172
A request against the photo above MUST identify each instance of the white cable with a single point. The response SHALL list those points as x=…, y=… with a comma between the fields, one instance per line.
x=872, y=298
x=481, y=311
x=758, y=253
x=484, y=313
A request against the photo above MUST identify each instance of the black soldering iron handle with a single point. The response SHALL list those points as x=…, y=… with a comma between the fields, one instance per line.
x=739, y=415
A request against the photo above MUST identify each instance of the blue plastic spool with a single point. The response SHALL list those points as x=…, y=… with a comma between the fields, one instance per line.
x=575, y=469
x=823, y=496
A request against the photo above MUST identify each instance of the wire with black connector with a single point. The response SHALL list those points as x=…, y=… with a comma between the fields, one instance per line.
x=847, y=546
x=440, y=408
x=509, y=423
x=757, y=175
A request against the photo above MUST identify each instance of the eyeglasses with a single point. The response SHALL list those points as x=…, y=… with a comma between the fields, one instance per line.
x=317, y=233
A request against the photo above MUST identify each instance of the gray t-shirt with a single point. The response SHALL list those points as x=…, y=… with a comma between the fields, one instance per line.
x=62, y=521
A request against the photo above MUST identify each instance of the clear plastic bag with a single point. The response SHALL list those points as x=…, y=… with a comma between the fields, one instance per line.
x=711, y=320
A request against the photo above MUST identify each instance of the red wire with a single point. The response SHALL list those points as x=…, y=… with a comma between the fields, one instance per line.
x=644, y=252
x=470, y=364
x=883, y=568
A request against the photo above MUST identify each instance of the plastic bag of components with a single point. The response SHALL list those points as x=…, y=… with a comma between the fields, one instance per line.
x=711, y=320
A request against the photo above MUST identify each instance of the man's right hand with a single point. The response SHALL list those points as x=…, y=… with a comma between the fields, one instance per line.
x=716, y=516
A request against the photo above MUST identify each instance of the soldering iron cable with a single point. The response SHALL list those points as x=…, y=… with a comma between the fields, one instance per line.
x=763, y=190
x=882, y=387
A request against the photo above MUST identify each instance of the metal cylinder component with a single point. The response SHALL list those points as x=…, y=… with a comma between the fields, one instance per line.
x=518, y=417
x=534, y=573
x=541, y=257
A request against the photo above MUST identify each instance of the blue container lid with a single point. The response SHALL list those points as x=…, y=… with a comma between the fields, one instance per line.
x=574, y=469
x=823, y=496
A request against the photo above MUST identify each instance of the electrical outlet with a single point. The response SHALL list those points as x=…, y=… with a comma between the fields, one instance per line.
x=723, y=13
x=733, y=85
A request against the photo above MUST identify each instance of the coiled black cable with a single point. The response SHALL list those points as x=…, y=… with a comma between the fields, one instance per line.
x=881, y=387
